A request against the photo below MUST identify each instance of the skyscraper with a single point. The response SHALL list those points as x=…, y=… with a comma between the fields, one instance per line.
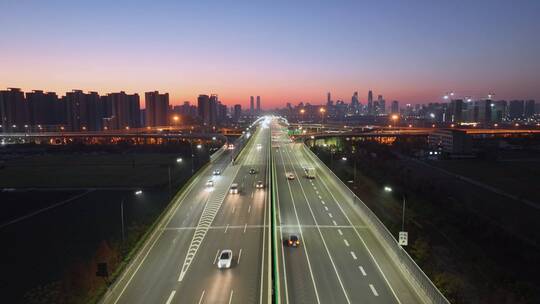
x=395, y=107
x=529, y=109
x=13, y=110
x=43, y=108
x=82, y=111
x=203, y=107
x=251, y=106
x=237, y=112
x=328, y=98
x=258, y=105
x=456, y=110
x=157, y=108
x=355, y=103
x=124, y=110
x=370, y=103
x=516, y=109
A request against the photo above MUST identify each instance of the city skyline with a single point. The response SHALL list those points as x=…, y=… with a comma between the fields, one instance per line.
x=403, y=51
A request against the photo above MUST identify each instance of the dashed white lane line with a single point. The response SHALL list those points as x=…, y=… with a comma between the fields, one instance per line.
x=233, y=209
x=325, y=208
x=346, y=243
x=226, y=228
x=330, y=215
x=353, y=255
x=314, y=187
x=215, y=259
x=230, y=298
x=252, y=194
x=202, y=296
x=362, y=270
x=239, y=256
x=316, y=191
x=373, y=290
x=320, y=197
x=171, y=296
x=249, y=209
x=334, y=222
x=323, y=202
x=340, y=232
x=245, y=227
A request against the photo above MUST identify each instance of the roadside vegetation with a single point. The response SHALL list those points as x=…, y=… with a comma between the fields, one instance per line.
x=475, y=245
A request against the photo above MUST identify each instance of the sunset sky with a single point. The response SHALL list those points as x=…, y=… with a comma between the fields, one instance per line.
x=284, y=51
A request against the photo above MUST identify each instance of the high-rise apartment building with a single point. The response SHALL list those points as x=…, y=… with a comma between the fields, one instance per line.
x=395, y=107
x=258, y=105
x=237, y=112
x=251, y=106
x=13, y=110
x=516, y=109
x=529, y=109
x=157, y=109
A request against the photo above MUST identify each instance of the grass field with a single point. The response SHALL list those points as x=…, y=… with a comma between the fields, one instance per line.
x=514, y=177
x=91, y=170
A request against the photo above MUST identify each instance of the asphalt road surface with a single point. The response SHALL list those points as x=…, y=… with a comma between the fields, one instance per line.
x=338, y=260
x=178, y=264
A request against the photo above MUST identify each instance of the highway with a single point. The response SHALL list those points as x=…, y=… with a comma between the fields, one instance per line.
x=178, y=262
x=338, y=260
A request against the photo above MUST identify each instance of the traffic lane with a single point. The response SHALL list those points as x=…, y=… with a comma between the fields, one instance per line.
x=243, y=277
x=382, y=265
x=159, y=271
x=327, y=281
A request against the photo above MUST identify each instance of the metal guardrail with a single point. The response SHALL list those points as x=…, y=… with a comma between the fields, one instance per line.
x=424, y=287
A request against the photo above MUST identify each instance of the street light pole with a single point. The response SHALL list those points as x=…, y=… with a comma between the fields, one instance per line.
x=122, y=217
x=169, y=169
x=403, y=215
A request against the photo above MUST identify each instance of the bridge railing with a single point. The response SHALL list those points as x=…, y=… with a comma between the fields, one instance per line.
x=424, y=287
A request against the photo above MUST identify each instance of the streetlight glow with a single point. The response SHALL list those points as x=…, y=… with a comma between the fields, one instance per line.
x=387, y=189
x=138, y=192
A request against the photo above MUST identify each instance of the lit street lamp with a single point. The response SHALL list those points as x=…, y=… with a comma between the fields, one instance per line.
x=403, y=197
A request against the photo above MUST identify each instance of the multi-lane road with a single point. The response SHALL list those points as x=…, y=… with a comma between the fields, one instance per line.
x=339, y=260
x=178, y=262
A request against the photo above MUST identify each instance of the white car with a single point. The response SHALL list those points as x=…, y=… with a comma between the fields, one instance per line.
x=259, y=185
x=290, y=176
x=234, y=188
x=259, y=146
x=210, y=183
x=217, y=172
x=225, y=259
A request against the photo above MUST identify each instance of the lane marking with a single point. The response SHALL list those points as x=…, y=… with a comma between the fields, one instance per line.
x=320, y=233
x=323, y=202
x=245, y=227
x=340, y=232
x=313, y=159
x=226, y=228
x=233, y=209
x=230, y=298
x=373, y=290
x=316, y=191
x=171, y=296
x=239, y=256
x=301, y=235
x=334, y=222
x=330, y=215
x=362, y=270
x=325, y=208
x=215, y=259
x=202, y=296
x=252, y=193
x=249, y=209
x=353, y=255
x=314, y=186
x=346, y=243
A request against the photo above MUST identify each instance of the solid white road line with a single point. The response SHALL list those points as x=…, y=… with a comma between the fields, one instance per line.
x=245, y=227
x=230, y=298
x=239, y=256
x=353, y=255
x=373, y=290
x=215, y=259
x=310, y=156
x=226, y=228
x=171, y=296
x=346, y=243
x=362, y=270
x=340, y=232
x=320, y=233
x=202, y=296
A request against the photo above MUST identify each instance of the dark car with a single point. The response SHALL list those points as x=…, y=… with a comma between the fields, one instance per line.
x=252, y=171
x=293, y=241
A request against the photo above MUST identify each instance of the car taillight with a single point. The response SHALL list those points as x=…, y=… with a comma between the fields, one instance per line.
x=290, y=242
x=297, y=242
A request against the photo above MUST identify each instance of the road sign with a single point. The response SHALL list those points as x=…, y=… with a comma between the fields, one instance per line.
x=403, y=238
